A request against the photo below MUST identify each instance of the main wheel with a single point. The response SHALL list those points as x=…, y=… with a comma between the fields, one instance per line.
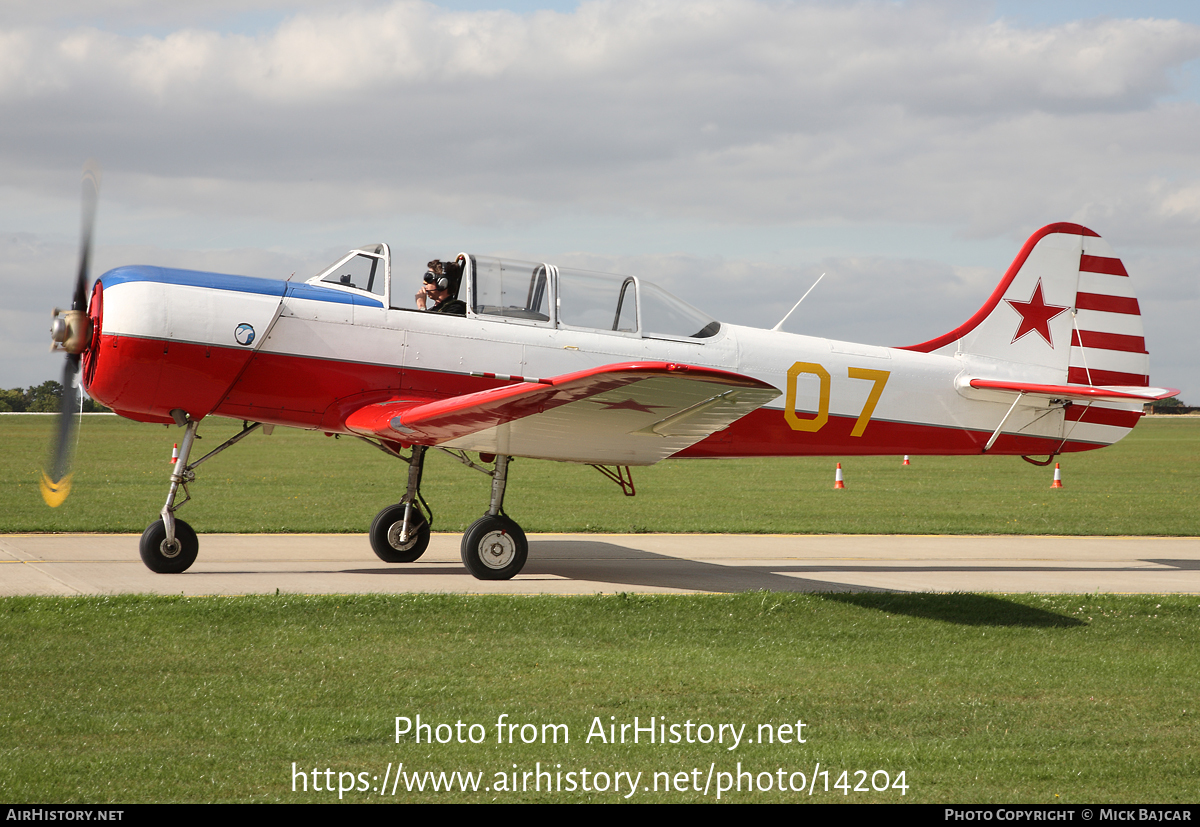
x=494, y=548
x=168, y=558
x=386, y=531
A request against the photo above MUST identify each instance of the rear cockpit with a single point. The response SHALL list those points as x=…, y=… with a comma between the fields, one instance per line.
x=530, y=293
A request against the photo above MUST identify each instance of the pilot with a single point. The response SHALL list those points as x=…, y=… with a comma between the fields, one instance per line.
x=436, y=289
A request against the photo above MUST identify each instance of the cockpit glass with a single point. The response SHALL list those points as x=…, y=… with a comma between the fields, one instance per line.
x=608, y=302
x=665, y=314
x=516, y=289
x=597, y=300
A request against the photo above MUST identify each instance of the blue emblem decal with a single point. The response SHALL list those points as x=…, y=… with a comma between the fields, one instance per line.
x=244, y=334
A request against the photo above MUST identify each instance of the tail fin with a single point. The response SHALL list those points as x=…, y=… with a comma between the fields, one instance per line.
x=1063, y=327
x=1065, y=308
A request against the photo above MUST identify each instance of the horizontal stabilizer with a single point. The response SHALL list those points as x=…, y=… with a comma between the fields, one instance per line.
x=633, y=413
x=1087, y=393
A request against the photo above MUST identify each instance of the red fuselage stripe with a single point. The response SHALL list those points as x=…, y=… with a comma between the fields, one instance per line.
x=765, y=433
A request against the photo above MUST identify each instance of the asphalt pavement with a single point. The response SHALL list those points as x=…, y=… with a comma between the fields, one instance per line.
x=102, y=564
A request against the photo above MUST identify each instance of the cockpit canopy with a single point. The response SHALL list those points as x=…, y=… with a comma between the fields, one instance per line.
x=524, y=292
x=565, y=297
x=367, y=270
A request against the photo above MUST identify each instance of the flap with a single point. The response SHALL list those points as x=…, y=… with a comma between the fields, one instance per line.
x=634, y=413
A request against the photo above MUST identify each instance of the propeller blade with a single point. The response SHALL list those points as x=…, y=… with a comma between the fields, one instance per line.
x=91, y=194
x=56, y=482
x=56, y=478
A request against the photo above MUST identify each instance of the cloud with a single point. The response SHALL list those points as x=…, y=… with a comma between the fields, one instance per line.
x=616, y=124
x=716, y=110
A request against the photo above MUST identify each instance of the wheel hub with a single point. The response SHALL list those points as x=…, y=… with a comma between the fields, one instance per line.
x=497, y=549
x=397, y=529
x=170, y=549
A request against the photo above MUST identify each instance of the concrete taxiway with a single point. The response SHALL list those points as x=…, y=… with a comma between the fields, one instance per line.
x=101, y=564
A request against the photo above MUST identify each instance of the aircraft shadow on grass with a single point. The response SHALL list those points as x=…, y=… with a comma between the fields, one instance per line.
x=961, y=608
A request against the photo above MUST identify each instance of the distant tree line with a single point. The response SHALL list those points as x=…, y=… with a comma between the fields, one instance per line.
x=43, y=398
x=1170, y=405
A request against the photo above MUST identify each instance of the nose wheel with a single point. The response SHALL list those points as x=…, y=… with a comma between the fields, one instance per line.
x=169, y=556
x=494, y=548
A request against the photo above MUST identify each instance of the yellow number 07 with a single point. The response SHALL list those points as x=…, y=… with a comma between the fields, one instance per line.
x=798, y=423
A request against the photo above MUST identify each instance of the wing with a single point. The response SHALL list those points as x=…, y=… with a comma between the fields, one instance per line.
x=634, y=413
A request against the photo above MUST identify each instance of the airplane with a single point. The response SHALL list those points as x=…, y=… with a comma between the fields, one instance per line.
x=564, y=364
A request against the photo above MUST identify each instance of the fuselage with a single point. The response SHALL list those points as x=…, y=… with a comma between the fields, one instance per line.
x=307, y=355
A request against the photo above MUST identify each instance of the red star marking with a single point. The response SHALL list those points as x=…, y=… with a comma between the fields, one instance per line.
x=627, y=405
x=1036, y=315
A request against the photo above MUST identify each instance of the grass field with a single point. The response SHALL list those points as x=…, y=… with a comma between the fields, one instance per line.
x=1149, y=483
x=1034, y=699
x=988, y=699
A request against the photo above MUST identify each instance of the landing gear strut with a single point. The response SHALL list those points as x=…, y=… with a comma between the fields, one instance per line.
x=400, y=533
x=170, y=546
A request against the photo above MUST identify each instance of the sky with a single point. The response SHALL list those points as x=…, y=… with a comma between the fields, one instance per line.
x=730, y=150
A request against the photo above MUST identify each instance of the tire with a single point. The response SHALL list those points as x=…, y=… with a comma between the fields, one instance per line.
x=161, y=558
x=385, y=535
x=494, y=548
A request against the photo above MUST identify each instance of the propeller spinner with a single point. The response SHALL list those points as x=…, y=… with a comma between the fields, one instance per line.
x=70, y=332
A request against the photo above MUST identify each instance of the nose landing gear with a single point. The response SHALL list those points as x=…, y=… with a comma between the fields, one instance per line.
x=169, y=545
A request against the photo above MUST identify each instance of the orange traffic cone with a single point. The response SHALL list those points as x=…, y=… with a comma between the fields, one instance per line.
x=837, y=477
x=1057, y=477
x=906, y=462
x=175, y=454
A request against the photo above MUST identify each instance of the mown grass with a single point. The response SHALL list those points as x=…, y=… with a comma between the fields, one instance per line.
x=1030, y=699
x=976, y=698
x=293, y=481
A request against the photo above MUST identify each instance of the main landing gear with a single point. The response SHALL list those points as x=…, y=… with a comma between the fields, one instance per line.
x=400, y=533
x=493, y=548
x=169, y=545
